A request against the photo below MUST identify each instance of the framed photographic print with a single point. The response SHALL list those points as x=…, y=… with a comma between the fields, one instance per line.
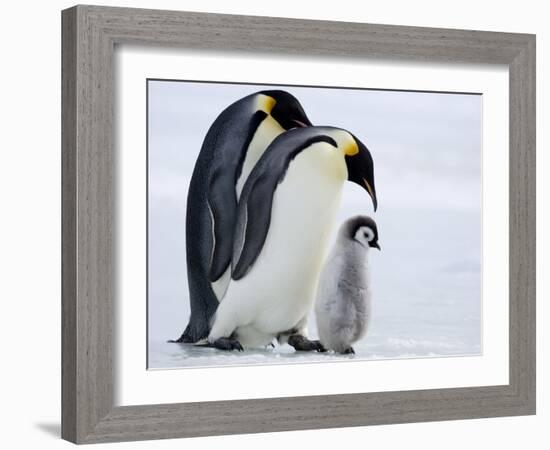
x=265, y=229
x=430, y=216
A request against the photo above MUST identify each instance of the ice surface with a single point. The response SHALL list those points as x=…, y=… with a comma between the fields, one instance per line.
x=172, y=355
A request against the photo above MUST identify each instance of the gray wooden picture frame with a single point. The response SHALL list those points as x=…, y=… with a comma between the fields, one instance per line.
x=90, y=34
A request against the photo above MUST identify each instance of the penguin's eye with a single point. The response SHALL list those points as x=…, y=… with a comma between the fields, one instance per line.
x=368, y=235
x=364, y=234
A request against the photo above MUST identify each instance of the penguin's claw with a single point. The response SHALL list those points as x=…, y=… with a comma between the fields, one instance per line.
x=349, y=351
x=301, y=343
x=225, y=343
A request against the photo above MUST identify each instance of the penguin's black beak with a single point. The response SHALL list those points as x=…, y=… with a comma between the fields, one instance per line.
x=375, y=244
x=361, y=170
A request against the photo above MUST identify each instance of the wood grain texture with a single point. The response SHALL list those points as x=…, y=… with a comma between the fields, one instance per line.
x=523, y=223
x=88, y=207
x=89, y=36
x=68, y=226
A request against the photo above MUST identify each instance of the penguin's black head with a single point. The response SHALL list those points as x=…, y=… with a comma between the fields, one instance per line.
x=361, y=170
x=287, y=110
x=362, y=229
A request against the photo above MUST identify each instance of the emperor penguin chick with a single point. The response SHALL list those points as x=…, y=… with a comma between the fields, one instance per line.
x=343, y=303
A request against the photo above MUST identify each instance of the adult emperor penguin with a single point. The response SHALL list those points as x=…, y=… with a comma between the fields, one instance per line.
x=285, y=216
x=232, y=146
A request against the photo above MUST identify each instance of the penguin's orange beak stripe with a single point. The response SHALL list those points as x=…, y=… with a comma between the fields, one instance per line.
x=368, y=186
x=299, y=123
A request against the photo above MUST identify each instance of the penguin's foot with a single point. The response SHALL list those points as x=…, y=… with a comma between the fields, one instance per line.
x=302, y=343
x=349, y=351
x=227, y=343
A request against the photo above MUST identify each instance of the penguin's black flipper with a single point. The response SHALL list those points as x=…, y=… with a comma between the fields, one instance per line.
x=254, y=210
x=223, y=209
x=253, y=220
x=222, y=199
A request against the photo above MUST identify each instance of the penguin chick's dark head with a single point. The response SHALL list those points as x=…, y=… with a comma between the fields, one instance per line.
x=287, y=110
x=361, y=229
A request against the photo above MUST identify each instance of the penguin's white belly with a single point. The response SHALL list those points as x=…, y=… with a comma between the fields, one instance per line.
x=279, y=289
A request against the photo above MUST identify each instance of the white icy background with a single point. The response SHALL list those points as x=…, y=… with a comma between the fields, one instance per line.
x=426, y=280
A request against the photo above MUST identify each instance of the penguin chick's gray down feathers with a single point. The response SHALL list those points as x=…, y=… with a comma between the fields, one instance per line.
x=343, y=304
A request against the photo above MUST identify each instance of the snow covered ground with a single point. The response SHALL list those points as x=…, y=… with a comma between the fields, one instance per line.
x=427, y=278
x=373, y=347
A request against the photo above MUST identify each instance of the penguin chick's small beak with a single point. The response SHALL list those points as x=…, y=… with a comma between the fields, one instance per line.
x=361, y=170
x=376, y=245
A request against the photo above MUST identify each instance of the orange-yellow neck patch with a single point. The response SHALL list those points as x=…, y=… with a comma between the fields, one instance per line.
x=266, y=103
x=351, y=148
